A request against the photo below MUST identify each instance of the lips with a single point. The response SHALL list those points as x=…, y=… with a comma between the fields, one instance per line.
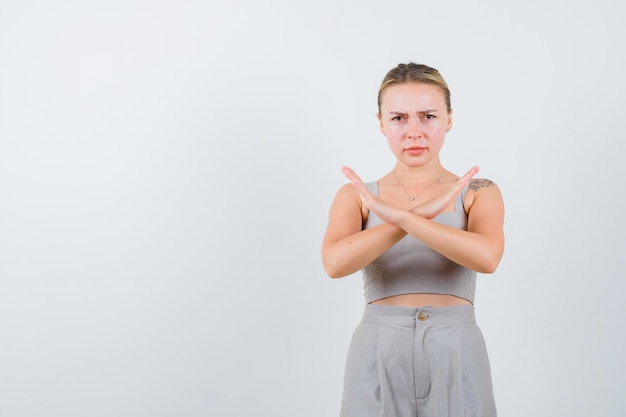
x=415, y=150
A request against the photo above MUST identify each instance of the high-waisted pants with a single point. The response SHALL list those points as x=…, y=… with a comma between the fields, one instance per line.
x=418, y=362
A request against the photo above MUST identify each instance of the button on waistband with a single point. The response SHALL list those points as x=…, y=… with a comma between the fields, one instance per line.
x=422, y=316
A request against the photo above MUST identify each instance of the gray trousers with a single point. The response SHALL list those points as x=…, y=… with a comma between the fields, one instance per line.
x=418, y=362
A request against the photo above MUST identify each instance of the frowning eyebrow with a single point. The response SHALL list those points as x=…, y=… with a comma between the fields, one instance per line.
x=401, y=113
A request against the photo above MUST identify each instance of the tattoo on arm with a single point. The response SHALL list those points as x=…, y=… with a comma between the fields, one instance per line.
x=479, y=183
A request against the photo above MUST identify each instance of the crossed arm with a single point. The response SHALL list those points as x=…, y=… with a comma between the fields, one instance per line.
x=346, y=248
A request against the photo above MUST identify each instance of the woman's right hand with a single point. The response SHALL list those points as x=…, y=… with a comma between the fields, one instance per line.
x=435, y=206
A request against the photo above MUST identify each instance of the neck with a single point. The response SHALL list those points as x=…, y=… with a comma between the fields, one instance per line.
x=418, y=175
x=412, y=188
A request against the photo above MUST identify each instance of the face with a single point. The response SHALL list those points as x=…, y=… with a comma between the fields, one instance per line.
x=414, y=118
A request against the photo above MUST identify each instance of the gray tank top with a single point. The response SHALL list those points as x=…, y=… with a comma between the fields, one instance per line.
x=409, y=266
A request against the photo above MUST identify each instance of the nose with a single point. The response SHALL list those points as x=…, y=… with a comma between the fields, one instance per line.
x=414, y=128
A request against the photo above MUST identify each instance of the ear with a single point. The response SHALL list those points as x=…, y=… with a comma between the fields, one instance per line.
x=380, y=124
x=449, y=124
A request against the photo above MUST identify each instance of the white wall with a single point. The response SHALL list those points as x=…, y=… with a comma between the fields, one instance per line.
x=166, y=169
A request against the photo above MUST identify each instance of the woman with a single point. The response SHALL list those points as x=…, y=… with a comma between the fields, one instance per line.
x=419, y=234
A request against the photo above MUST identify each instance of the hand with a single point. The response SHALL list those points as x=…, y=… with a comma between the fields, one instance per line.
x=385, y=211
x=435, y=206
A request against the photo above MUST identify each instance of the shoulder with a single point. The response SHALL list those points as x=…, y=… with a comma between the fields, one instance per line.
x=347, y=214
x=349, y=191
x=482, y=191
x=476, y=184
x=348, y=199
x=346, y=191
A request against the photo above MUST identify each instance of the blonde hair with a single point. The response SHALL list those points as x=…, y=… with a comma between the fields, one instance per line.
x=415, y=73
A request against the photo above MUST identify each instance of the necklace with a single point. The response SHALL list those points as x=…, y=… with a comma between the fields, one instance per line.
x=412, y=198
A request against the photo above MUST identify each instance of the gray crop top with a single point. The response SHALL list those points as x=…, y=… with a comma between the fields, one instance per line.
x=409, y=266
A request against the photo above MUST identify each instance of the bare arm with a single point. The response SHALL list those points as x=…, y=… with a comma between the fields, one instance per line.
x=346, y=248
x=480, y=248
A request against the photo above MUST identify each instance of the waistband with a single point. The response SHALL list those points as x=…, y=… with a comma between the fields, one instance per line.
x=411, y=316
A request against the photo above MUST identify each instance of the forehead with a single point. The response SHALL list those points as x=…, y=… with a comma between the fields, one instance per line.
x=413, y=95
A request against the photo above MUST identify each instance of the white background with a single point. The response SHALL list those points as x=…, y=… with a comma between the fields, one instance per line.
x=166, y=169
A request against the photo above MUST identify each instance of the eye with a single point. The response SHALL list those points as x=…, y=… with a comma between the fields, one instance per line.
x=429, y=116
x=397, y=118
